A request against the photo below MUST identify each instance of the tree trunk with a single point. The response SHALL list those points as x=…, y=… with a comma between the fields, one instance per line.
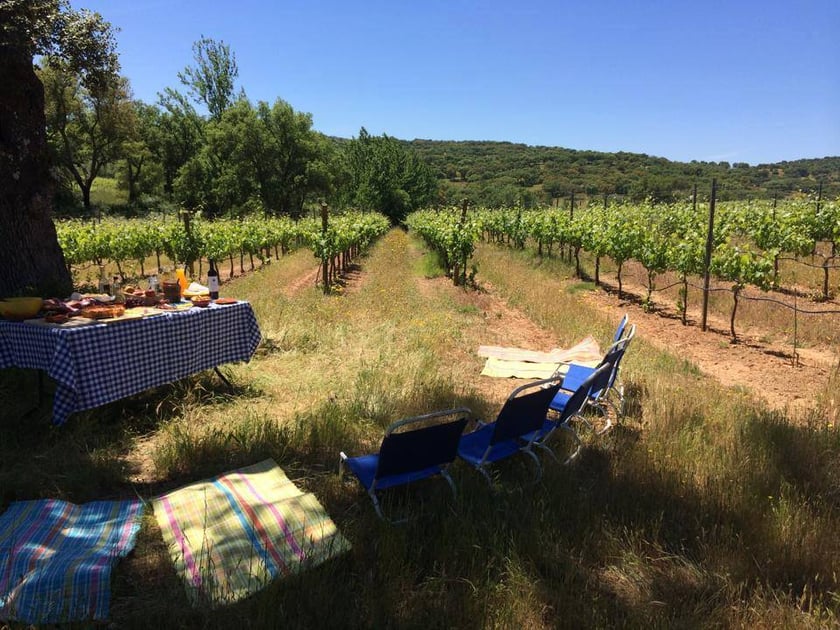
x=85, y=188
x=35, y=263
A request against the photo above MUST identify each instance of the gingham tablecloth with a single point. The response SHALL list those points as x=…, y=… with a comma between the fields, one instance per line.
x=96, y=364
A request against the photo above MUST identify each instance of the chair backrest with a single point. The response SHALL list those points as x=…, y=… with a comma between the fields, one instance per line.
x=616, y=353
x=620, y=330
x=595, y=382
x=433, y=443
x=524, y=413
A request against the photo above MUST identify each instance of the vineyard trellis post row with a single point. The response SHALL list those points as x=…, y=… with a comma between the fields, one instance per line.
x=707, y=260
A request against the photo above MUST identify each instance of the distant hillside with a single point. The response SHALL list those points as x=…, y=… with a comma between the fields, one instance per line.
x=503, y=173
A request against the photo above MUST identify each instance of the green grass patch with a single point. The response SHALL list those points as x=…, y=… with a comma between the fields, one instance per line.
x=105, y=192
x=580, y=287
x=429, y=265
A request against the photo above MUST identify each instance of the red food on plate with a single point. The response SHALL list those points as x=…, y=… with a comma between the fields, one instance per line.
x=224, y=301
x=57, y=318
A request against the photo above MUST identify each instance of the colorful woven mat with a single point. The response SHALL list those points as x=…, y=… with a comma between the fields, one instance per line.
x=56, y=558
x=231, y=535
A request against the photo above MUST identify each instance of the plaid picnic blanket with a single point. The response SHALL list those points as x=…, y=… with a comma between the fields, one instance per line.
x=231, y=535
x=56, y=558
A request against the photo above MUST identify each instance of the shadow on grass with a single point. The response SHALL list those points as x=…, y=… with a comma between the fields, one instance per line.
x=616, y=539
x=620, y=538
x=82, y=460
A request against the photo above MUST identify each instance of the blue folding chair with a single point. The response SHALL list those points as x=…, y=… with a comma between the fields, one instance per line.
x=569, y=409
x=522, y=415
x=602, y=396
x=413, y=449
x=620, y=330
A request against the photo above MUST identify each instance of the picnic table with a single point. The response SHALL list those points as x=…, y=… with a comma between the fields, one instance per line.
x=99, y=363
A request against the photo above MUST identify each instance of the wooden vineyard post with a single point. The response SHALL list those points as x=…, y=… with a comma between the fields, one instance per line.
x=707, y=261
x=325, y=261
x=186, y=217
x=460, y=272
x=571, y=218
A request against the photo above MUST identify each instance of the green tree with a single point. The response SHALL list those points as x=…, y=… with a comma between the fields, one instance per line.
x=211, y=80
x=179, y=135
x=267, y=156
x=86, y=125
x=140, y=170
x=386, y=177
x=86, y=43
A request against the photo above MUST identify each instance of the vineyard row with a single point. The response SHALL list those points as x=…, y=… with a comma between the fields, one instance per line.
x=747, y=241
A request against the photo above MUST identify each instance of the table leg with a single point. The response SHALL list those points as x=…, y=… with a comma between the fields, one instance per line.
x=222, y=376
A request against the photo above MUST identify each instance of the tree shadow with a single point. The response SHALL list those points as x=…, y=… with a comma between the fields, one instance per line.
x=619, y=538
x=82, y=460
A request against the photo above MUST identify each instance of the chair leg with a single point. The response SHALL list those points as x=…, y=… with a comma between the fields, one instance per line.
x=541, y=444
x=484, y=472
x=341, y=459
x=376, y=506
x=601, y=407
x=451, y=483
x=536, y=459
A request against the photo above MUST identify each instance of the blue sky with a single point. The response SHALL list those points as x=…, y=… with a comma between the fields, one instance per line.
x=736, y=81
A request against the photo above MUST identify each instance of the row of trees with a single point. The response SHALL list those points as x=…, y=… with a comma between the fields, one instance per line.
x=204, y=146
x=498, y=174
x=238, y=158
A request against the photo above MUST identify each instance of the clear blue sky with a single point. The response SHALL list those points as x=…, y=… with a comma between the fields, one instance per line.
x=736, y=80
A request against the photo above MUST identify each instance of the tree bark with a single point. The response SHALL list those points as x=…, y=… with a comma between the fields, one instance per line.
x=30, y=258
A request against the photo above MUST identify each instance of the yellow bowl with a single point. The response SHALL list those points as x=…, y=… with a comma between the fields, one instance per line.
x=18, y=309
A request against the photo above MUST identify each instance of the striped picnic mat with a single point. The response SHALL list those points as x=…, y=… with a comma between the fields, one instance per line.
x=231, y=535
x=56, y=558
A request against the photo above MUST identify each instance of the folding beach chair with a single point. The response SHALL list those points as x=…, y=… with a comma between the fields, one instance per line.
x=611, y=394
x=413, y=449
x=522, y=415
x=570, y=409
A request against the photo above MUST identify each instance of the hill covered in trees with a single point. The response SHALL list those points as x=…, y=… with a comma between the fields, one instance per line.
x=504, y=173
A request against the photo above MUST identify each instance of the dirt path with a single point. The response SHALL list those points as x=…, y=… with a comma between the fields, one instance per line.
x=305, y=281
x=766, y=368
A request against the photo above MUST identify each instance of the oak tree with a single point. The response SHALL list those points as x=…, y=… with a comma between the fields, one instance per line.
x=35, y=264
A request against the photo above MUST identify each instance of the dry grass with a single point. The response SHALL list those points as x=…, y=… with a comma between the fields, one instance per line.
x=701, y=509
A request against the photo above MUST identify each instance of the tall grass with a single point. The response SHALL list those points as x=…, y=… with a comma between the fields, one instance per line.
x=702, y=508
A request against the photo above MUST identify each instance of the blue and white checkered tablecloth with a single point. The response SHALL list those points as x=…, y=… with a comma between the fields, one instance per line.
x=96, y=364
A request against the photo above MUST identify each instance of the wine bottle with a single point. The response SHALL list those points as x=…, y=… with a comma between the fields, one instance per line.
x=213, y=280
x=104, y=285
x=119, y=296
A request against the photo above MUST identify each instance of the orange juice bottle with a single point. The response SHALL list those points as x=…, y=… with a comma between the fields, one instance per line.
x=182, y=279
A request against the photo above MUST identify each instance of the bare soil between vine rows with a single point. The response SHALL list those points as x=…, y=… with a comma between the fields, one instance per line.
x=765, y=368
